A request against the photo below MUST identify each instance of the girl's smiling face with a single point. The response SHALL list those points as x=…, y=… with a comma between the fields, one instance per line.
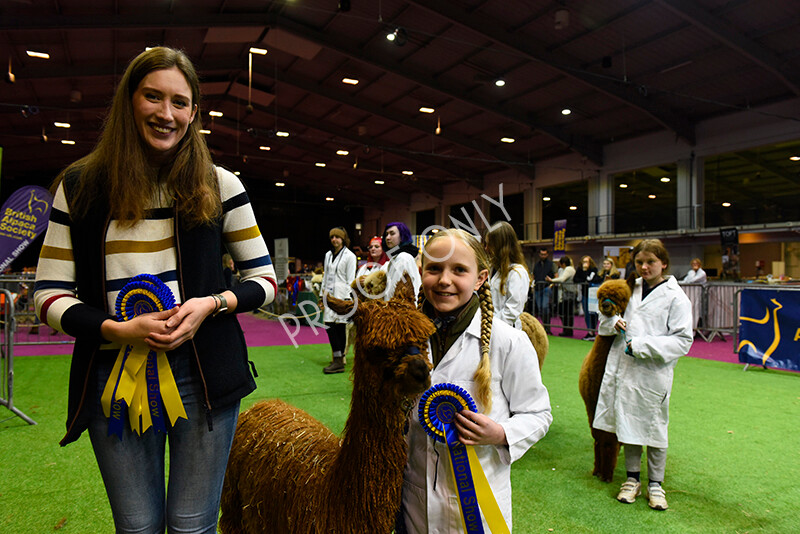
x=450, y=274
x=649, y=267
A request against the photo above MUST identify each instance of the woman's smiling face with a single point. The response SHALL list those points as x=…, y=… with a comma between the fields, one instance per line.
x=163, y=110
x=450, y=274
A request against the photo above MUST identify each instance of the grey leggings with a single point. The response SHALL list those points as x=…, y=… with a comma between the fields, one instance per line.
x=656, y=461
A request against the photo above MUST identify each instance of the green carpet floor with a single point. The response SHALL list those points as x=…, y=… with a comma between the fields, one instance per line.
x=732, y=464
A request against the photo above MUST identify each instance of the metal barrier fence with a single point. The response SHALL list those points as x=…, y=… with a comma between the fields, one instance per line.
x=715, y=306
x=7, y=354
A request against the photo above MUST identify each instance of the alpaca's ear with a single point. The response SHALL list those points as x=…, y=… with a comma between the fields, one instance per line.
x=404, y=290
x=342, y=307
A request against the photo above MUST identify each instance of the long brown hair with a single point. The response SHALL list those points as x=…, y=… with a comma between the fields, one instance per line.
x=118, y=168
x=504, y=250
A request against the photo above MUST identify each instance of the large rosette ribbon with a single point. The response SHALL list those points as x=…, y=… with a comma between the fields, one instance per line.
x=437, y=411
x=141, y=382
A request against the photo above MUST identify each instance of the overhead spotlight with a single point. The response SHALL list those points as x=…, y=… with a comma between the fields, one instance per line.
x=43, y=138
x=438, y=130
x=399, y=36
x=561, y=18
x=566, y=111
x=10, y=78
x=215, y=113
x=499, y=82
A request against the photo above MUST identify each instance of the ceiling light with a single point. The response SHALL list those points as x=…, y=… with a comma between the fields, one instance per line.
x=237, y=173
x=573, y=208
x=350, y=81
x=379, y=182
x=665, y=179
x=507, y=139
x=546, y=199
x=499, y=82
x=651, y=196
x=566, y=111
x=319, y=164
x=795, y=158
x=398, y=36
x=408, y=173
x=215, y=113
x=623, y=186
x=205, y=132
x=282, y=134
x=61, y=124
x=262, y=147
x=329, y=199
x=426, y=110
x=259, y=51
x=342, y=152
x=41, y=55
x=726, y=204
x=279, y=184
x=67, y=142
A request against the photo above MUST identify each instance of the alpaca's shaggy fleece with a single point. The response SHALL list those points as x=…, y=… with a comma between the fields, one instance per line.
x=612, y=298
x=288, y=473
x=537, y=334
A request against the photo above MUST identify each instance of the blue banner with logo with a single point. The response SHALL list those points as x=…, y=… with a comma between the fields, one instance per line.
x=769, y=328
x=25, y=215
x=559, y=238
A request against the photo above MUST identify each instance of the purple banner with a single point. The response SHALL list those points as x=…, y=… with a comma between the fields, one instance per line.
x=559, y=238
x=25, y=216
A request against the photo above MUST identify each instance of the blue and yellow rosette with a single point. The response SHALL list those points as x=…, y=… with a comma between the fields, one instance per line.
x=141, y=384
x=437, y=411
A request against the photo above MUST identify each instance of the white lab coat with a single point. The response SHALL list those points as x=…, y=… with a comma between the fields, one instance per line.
x=520, y=403
x=401, y=263
x=634, y=394
x=510, y=306
x=695, y=277
x=339, y=274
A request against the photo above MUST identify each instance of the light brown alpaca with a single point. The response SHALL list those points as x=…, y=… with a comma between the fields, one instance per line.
x=537, y=334
x=288, y=473
x=612, y=298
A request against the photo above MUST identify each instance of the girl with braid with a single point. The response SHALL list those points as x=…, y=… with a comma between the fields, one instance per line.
x=494, y=362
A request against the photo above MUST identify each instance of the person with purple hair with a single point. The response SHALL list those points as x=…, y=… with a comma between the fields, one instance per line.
x=402, y=257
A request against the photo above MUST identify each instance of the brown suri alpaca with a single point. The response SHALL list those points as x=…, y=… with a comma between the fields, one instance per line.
x=373, y=283
x=537, y=334
x=288, y=473
x=612, y=298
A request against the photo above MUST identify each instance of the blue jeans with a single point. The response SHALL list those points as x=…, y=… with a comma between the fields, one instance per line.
x=590, y=318
x=542, y=296
x=133, y=468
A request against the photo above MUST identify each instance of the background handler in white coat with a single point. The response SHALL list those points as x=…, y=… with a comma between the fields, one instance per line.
x=340, y=271
x=634, y=396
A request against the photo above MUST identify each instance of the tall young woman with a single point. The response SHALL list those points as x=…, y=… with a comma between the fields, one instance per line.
x=340, y=271
x=510, y=281
x=148, y=199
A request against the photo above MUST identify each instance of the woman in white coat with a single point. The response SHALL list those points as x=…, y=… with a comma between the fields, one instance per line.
x=633, y=402
x=402, y=257
x=510, y=281
x=495, y=363
x=340, y=271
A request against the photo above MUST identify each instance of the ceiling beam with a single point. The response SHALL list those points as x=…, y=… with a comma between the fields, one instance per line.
x=627, y=93
x=585, y=147
x=760, y=55
x=753, y=159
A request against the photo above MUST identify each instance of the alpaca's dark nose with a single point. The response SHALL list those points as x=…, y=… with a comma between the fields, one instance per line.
x=418, y=369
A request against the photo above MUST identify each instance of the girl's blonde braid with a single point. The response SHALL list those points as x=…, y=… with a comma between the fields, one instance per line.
x=420, y=298
x=483, y=375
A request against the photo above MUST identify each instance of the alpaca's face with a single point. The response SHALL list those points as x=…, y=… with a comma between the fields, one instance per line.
x=613, y=297
x=412, y=372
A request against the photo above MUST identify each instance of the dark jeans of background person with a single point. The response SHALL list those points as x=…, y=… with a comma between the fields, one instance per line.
x=542, y=298
x=591, y=318
x=337, y=335
x=566, y=310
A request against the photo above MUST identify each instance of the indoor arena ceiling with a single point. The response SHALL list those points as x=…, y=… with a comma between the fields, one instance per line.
x=623, y=67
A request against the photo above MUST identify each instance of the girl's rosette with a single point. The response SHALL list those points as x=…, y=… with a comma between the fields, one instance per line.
x=437, y=412
x=141, y=382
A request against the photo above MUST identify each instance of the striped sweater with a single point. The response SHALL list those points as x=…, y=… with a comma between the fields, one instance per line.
x=146, y=247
